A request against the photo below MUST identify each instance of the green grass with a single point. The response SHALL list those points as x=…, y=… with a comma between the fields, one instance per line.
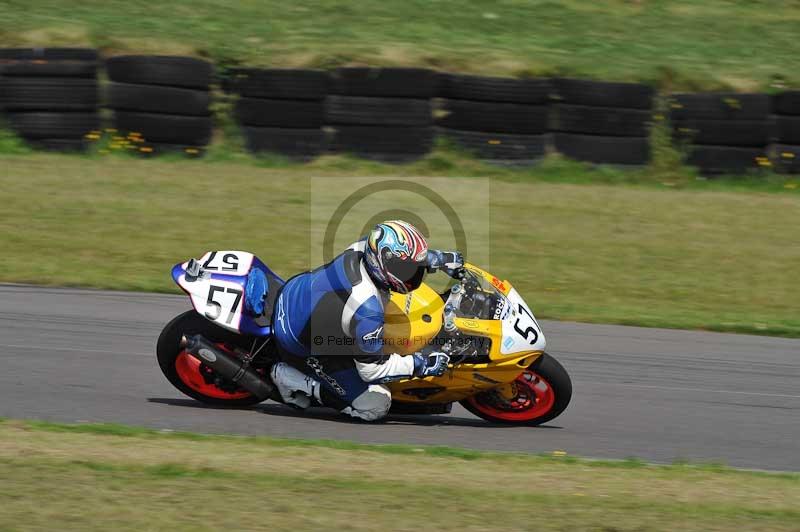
x=704, y=256
x=743, y=44
x=96, y=477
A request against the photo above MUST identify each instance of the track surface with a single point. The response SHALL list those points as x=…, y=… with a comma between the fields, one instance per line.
x=660, y=395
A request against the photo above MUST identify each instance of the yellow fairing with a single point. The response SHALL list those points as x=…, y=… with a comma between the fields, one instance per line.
x=461, y=381
x=413, y=320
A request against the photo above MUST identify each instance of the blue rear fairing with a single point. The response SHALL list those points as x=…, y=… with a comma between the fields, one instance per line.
x=260, y=290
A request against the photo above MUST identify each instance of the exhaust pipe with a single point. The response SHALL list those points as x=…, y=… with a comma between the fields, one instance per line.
x=229, y=367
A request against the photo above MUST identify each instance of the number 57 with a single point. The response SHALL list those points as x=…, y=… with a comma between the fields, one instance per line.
x=215, y=308
x=530, y=328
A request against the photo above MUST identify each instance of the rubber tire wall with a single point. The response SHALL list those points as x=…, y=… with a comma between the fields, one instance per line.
x=498, y=146
x=172, y=71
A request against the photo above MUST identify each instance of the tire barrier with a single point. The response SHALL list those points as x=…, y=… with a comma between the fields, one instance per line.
x=499, y=147
x=382, y=114
x=496, y=119
x=602, y=122
x=50, y=95
x=626, y=151
x=281, y=110
x=49, y=55
x=723, y=132
x=160, y=103
x=786, y=148
x=50, y=98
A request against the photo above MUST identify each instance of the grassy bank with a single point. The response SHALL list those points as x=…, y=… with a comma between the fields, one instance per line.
x=97, y=477
x=713, y=258
x=678, y=44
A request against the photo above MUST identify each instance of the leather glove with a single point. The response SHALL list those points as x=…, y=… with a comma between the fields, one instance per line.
x=433, y=365
x=450, y=262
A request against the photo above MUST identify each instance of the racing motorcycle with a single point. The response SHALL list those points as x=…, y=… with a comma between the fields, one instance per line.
x=221, y=352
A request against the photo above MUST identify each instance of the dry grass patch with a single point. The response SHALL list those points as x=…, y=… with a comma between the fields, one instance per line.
x=144, y=480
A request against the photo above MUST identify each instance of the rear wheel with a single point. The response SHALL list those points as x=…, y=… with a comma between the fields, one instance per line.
x=190, y=375
x=539, y=394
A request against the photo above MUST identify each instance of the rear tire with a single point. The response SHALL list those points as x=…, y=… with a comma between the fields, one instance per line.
x=549, y=382
x=169, y=353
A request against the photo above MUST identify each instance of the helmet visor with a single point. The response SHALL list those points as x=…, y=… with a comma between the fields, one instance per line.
x=410, y=273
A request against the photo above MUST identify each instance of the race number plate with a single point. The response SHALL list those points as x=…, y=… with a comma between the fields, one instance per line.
x=215, y=295
x=521, y=332
x=227, y=262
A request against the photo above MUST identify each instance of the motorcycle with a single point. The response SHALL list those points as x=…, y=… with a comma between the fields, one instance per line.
x=221, y=352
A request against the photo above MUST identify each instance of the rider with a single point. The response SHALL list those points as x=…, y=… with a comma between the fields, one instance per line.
x=328, y=323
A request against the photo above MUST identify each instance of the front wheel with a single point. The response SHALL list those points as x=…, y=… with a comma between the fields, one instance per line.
x=190, y=375
x=539, y=394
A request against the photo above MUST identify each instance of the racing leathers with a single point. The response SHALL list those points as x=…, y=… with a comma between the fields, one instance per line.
x=328, y=325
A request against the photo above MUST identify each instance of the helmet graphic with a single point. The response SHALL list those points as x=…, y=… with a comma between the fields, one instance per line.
x=396, y=256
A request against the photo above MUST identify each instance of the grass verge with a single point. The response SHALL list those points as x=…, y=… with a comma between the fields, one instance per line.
x=679, y=44
x=706, y=256
x=100, y=477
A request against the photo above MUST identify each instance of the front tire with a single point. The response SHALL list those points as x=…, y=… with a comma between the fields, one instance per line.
x=187, y=373
x=540, y=394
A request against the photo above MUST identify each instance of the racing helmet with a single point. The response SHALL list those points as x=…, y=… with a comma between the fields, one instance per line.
x=396, y=256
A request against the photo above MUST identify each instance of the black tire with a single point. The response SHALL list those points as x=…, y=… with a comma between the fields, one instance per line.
x=556, y=376
x=49, y=54
x=171, y=129
x=305, y=114
x=297, y=144
x=172, y=71
x=603, y=93
x=714, y=160
x=59, y=145
x=787, y=129
x=52, y=69
x=157, y=99
x=277, y=83
x=611, y=121
x=386, y=144
x=719, y=106
x=358, y=110
x=604, y=150
x=786, y=103
x=42, y=125
x=48, y=94
x=167, y=351
x=384, y=82
x=723, y=132
x=488, y=89
x=785, y=158
x=499, y=146
x=495, y=117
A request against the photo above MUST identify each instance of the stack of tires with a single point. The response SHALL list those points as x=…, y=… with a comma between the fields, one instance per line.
x=723, y=133
x=786, y=150
x=281, y=110
x=500, y=120
x=161, y=103
x=50, y=95
x=382, y=114
x=603, y=122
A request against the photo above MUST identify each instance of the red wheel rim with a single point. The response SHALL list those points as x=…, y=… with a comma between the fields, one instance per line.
x=534, y=398
x=189, y=371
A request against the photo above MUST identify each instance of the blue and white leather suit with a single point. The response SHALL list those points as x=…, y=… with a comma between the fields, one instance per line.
x=328, y=323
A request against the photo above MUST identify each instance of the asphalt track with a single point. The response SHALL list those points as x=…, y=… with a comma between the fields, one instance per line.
x=660, y=395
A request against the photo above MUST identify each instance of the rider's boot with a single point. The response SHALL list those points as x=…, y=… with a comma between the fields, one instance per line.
x=295, y=387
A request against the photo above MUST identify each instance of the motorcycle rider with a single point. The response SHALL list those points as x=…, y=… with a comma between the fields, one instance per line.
x=328, y=323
